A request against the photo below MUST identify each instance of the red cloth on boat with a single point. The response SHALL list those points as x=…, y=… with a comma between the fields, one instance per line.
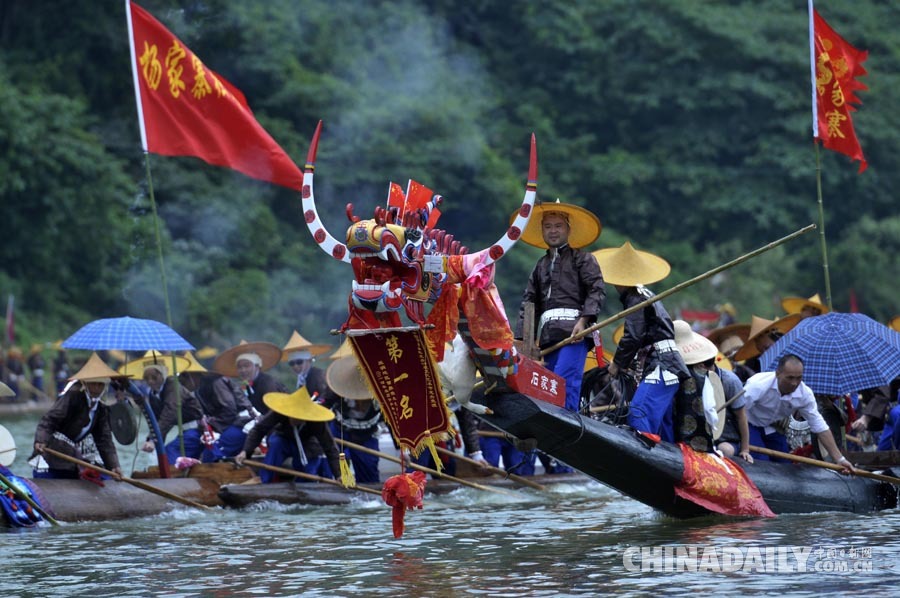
x=402, y=492
x=722, y=487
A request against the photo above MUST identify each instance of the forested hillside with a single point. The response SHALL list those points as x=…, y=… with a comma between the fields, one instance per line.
x=685, y=126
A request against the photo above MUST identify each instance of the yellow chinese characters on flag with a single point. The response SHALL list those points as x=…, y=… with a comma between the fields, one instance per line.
x=186, y=109
x=837, y=65
x=403, y=376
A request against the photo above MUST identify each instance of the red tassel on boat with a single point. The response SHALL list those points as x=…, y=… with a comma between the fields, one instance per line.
x=402, y=492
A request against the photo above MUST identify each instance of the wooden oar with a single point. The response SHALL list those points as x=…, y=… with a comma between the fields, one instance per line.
x=491, y=468
x=418, y=467
x=493, y=434
x=133, y=482
x=24, y=496
x=823, y=464
x=303, y=474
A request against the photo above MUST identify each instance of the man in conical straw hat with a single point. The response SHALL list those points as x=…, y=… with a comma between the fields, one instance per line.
x=249, y=362
x=731, y=435
x=301, y=355
x=77, y=413
x=566, y=288
x=356, y=416
x=763, y=334
x=226, y=409
x=649, y=331
x=807, y=308
x=293, y=419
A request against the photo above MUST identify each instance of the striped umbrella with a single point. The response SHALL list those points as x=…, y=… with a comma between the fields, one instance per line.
x=127, y=334
x=841, y=353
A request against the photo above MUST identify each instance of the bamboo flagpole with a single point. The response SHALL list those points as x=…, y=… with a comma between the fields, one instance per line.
x=679, y=287
x=815, y=128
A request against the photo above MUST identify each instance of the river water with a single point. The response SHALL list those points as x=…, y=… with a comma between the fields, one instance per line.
x=576, y=539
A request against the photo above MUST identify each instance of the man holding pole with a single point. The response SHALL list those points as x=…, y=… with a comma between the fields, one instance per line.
x=649, y=336
x=566, y=288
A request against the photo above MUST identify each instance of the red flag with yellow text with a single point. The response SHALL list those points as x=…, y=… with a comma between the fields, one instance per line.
x=837, y=64
x=186, y=109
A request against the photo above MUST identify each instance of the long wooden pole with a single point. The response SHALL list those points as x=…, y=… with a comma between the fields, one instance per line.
x=822, y=227
x=677, y=288
x=24, y=496
x=416, y=466
x=516, y=478
x=133, y=482
x=823, y=464
x=308, y=476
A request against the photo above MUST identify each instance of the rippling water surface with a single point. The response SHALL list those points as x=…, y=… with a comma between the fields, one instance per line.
x=568, y=541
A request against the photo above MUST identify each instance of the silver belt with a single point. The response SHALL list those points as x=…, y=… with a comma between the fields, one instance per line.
x=65, y=439
x=245, y=413
x=557, y=313
x=192, y=425
x=666, y=346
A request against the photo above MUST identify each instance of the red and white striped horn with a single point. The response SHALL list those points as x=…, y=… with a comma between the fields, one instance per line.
x=323, y=238
x=499, y=249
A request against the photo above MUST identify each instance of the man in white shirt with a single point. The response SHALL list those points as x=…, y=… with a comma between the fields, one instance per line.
x=773, y=396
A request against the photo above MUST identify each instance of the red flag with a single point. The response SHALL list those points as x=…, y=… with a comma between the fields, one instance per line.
x=186, y=109
x=836, y=65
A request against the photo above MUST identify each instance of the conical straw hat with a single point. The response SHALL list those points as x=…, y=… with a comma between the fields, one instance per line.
x=95, y=370
x=794, y=305
x=721, y=334
x=626, y=266
x=345, y=350
x=6, y=391
x=584, y=226
x=618, y=333
x=297, y=344
x=297, y=405
x=345, y=378
x=895, y=323
x=207, y=352
x=694, y=348
x=226, y=362
x=760, y=326
x=135, y=369
x=195, y=366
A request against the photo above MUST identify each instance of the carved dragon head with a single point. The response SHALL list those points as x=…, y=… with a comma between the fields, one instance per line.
x=397, y=256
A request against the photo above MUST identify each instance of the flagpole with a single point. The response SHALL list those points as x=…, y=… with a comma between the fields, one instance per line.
x=822, y=227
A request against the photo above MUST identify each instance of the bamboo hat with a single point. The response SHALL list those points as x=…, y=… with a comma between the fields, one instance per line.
x=618, y=333
x=590, y=361
x=298, y=405
x=298, y=344
x=719, y=335
x=194, y=367
x=94, y=370
x=268, y=353
x=895, y=323
x=694, y=348
x=6, y=391
x=345, y=350
x=135, y=369
x=207, y=352
x=794, y=305
x=760, y=326
x=345, y=378
x=584, y=226
x=723, y=362
x=626, y=266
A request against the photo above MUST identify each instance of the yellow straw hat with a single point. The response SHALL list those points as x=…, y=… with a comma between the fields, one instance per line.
x=720, y=335
x=723, y=362
x=6, y=391
x=226, y=363
x=345, y=350
x=297, y=405
x=584, y=226
x=895, y=323
x=794, y=305
x=94, y=370
x=298, y=344
x=759, y=326
x=194, y=366
x=694, y=348
x=346, y=379
x=626, y=266
x=135, y=369
x=207, y=352
x=590, y=361
x=618, y=333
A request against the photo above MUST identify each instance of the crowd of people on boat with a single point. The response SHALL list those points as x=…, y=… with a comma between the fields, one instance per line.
x=664, y=379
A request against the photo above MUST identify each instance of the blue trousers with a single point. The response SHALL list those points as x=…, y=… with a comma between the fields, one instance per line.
x=280, y=448
x=193, y=446
x=890, y=436
x=229, y=444
x=494, y=448
x=568, y=362
x=774, y=441
x=651, y=409
x=365, y=466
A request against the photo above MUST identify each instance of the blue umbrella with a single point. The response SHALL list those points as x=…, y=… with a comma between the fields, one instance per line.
x=127, y=334
x=841, y=352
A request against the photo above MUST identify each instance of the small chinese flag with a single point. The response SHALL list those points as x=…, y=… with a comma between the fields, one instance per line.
x=835, y=66
x=186, y=109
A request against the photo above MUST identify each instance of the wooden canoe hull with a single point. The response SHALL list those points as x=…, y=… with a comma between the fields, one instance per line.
x=647, y=472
